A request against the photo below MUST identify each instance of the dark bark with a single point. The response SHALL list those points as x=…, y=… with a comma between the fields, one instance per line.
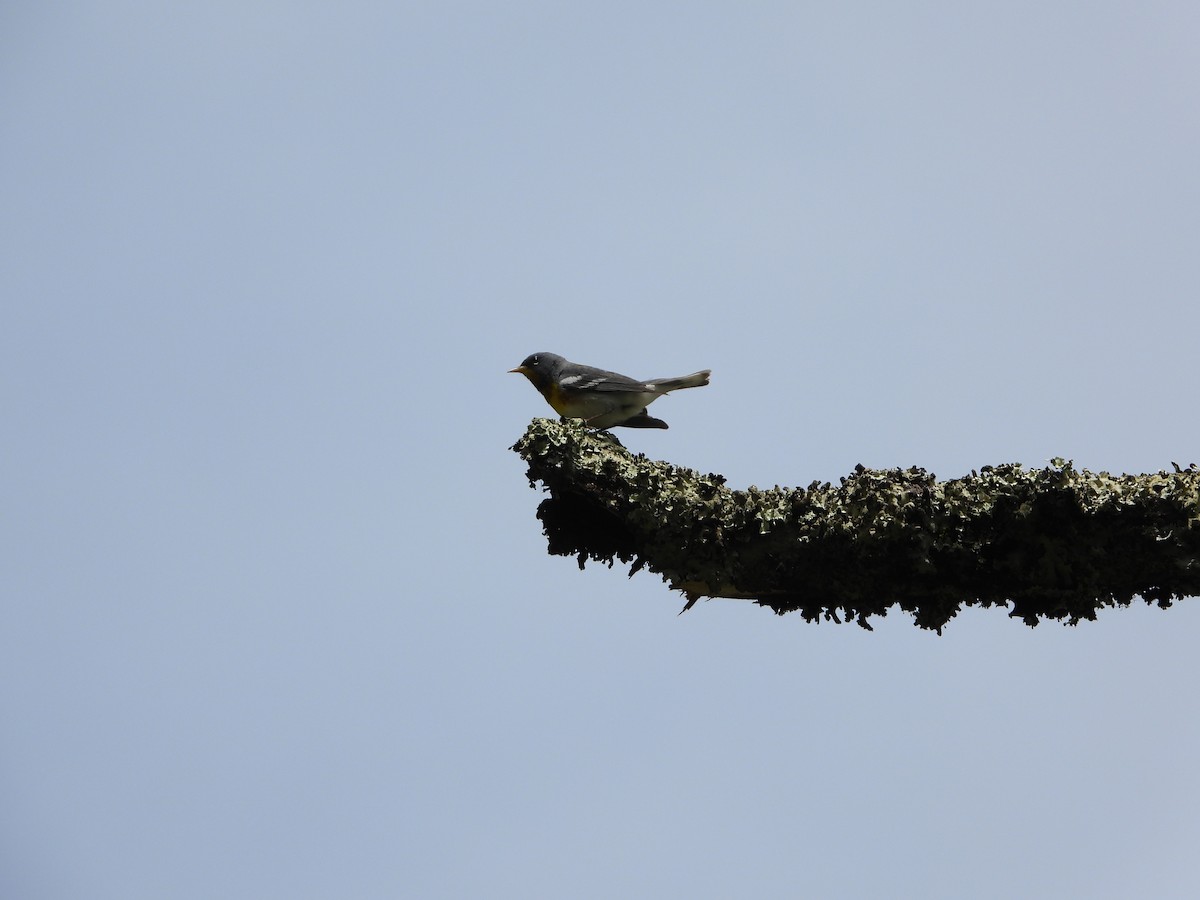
x=1052, y=543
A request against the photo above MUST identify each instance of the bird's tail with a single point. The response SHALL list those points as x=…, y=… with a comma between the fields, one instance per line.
x=696, y=379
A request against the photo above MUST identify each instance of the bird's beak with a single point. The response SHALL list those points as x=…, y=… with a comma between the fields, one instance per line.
x=519, y=370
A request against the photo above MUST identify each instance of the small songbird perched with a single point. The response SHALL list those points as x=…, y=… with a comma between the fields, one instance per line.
x=601, y=398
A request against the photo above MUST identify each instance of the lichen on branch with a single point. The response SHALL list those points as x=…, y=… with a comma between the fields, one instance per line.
x=1050, y=543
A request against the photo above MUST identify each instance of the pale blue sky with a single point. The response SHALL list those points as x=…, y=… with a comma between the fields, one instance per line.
x=278, y=617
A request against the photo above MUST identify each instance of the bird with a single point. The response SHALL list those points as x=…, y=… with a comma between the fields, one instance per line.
x=601, y=398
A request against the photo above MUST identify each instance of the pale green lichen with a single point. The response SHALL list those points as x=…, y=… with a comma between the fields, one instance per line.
x=1049, y=543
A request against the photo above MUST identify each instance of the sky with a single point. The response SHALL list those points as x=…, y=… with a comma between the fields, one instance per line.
x=278, y=618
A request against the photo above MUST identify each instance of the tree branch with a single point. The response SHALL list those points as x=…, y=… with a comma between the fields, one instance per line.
x=1055, y=543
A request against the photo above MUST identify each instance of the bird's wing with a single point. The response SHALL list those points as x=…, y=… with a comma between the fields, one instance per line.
x=587, y=378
